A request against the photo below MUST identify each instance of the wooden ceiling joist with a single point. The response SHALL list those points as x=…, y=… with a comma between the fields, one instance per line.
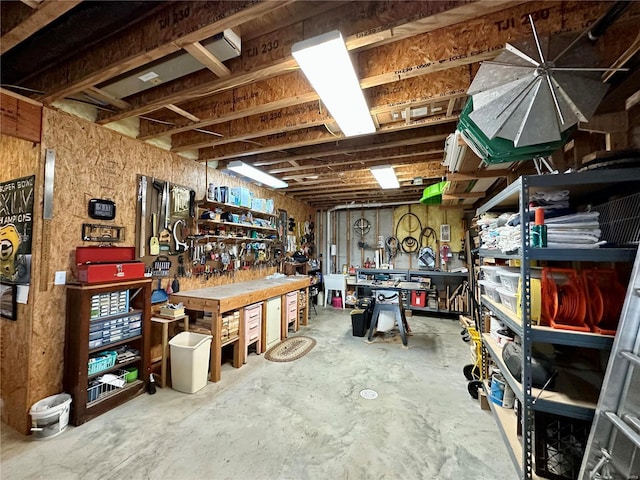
x=464, y=195
x=267, y=96
x=184, y=113
x=208, y=59
x=316, y=138
x=354, y=21
x=456, y=177
x=146, y=41
x=44, y=13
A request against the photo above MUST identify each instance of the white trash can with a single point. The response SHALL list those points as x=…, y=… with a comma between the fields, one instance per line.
x=50, y=416
x=190, y=361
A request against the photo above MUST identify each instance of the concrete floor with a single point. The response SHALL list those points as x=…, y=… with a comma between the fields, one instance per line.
x=297, y=420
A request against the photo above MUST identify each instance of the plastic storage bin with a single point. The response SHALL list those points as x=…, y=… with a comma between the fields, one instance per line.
x=190, y=361
x=509, y=278
x=50, y=416
x=507, y=298
x=491, y=289
x=491, y=273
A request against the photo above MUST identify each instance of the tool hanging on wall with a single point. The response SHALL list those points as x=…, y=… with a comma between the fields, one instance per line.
x=427, y=256
x=180, y=201
x=154, y=243
x=161, y=266
x=164, y=237
x=93, y=232
x=142, y=203
x=361, y=226
x=408, y=244
x=391, y=244
x=179, y=225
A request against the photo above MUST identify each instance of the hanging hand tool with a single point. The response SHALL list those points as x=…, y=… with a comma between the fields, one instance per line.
x=154, y=244
x=165, y=234
x=142, y=200
x=180, y=246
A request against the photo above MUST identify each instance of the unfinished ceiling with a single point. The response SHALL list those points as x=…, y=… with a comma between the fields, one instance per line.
x=415, y=61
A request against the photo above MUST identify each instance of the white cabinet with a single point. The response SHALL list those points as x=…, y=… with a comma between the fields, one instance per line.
x=274, y=321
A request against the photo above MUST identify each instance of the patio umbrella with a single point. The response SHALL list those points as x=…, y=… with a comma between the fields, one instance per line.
x=536, y=90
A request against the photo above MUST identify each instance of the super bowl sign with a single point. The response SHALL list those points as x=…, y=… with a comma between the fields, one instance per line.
x=16, y=229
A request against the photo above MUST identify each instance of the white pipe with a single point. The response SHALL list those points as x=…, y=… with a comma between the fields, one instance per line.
x=368, y=205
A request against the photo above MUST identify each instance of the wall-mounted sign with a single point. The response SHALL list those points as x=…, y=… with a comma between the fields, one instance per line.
x=16, y=229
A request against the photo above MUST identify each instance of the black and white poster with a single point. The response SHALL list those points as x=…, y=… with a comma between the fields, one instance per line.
x=16, y=229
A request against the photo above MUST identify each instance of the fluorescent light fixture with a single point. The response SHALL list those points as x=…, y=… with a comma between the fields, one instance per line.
x=385, y=176
x=255, y=174
x=326, y=63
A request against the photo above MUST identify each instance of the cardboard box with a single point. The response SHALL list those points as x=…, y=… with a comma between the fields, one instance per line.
x=483, y=400
x=171, y=312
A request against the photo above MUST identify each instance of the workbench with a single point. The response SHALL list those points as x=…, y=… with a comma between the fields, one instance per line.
x=235, y=296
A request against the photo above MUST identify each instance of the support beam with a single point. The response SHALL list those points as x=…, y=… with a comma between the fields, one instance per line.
x=313, y=138
x=43, y=14
x=182, y=112
x=286, y=120
x=167, y=31
x=354, y=21
x=208, y=59
x=459, y=177
x=103, y=96
x=461, y=196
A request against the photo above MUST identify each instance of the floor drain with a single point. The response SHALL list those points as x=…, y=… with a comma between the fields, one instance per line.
x=368, y=394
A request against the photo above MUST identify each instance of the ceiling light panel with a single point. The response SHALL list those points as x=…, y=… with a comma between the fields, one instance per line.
x=255, y=174
x=326, y=63
x=385, y=176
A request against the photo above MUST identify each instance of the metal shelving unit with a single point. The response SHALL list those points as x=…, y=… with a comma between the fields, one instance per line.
x=591, y=187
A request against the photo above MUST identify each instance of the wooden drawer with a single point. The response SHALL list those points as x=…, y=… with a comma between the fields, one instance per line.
x=253, y=331
x=292, y=300
x=253, y=313
x=253, y=322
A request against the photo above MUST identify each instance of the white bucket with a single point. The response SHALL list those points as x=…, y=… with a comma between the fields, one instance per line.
x=508, y=398
x=50, y=416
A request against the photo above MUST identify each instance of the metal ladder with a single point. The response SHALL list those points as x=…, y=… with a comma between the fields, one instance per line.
x=613, y=448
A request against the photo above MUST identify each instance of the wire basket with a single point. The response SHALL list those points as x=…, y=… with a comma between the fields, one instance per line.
x=106, y=385
x=103, y=362
x=620, y=220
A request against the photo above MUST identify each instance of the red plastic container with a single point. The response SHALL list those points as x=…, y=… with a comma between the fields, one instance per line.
x=418, y=298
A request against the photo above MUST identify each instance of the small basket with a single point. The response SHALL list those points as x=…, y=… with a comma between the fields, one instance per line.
x=99, y=389
x=104, y=361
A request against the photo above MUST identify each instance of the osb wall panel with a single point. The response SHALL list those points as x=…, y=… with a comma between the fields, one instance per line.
x=95, y=162
x=19, y=159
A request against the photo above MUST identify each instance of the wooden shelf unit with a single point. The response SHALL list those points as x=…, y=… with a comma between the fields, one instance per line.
x=77, y=351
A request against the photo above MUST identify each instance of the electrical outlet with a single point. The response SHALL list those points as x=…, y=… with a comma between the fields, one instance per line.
x=61, y=278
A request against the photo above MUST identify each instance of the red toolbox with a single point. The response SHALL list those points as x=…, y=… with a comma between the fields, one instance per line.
x=418, y=298
x=108, y=264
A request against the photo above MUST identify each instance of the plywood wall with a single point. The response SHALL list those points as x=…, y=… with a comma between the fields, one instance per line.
x=90, y=162
x=384, y=223
x=19, y=159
